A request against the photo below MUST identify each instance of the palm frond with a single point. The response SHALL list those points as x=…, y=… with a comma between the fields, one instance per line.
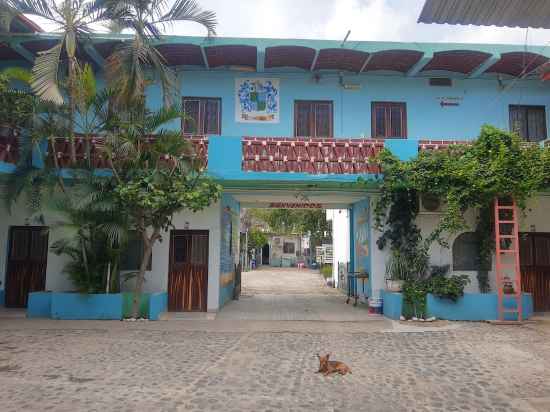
x=45, y=74
x=42, y=8
x=189, y=10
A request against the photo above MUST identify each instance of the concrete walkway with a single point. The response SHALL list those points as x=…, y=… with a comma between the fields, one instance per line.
x=290, y=294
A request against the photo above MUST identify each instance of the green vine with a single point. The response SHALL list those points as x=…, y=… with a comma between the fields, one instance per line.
x=498, y=164
x=486, y=244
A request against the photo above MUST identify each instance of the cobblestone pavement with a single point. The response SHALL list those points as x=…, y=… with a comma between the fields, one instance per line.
x=212, y=366
x=283, y=294
x=284, y=281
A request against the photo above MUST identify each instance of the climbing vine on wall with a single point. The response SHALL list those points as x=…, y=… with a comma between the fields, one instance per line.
x=464, y=177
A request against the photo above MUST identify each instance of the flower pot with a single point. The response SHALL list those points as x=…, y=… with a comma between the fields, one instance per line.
x=394, y=285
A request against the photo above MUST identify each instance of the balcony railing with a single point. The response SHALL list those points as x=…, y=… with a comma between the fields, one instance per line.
x=313, y=156
x=90, y=150
x=253, y=154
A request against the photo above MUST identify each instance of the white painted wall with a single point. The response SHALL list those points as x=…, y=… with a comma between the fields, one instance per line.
x=156, y=279
x=21, y=216
x=209, y=219
x=535, y=217
x=340, y=239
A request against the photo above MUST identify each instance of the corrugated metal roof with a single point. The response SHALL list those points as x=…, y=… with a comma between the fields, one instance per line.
x=503, y=13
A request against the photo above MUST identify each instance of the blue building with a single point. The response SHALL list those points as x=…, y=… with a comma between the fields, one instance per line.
x=281, y=121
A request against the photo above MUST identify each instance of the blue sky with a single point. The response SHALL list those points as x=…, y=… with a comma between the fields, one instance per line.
x=391, y=20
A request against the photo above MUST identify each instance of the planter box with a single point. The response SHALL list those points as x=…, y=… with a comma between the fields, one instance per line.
x=76, y=306
x=39, y=305
x=86, y=307
x=477, y=307
x=127, y=298
x=392, y=304
x=158, y=303
x=471, y=307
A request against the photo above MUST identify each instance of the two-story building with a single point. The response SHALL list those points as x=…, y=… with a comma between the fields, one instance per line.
x=281, y=121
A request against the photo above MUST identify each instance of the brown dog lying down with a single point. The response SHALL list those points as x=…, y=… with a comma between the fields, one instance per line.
x=327, y=367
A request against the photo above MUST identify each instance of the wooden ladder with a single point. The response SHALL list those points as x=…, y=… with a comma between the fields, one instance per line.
x=507, y=256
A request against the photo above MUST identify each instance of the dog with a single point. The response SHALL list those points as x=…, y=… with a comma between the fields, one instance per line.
x=328, y=367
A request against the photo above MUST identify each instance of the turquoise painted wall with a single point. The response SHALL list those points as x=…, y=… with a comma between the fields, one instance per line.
x=483, y=101
x=361, y=241
x=229, y=245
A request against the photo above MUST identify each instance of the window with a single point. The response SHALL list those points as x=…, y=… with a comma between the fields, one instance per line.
x=288, y=247
x=389, y=120
x=202, y=115
x=529, y=122
x=313, y=119
x=132, y=256
x=466, y=253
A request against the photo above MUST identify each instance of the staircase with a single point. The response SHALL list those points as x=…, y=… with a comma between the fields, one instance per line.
x=508, y=275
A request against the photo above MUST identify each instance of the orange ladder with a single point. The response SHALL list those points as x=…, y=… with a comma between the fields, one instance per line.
x=507, y=256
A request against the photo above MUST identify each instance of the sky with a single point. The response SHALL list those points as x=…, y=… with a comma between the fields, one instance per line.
x=382, y=20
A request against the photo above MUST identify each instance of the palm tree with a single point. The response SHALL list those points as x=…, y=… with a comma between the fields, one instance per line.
x=95, y=232
x=127, y=67
x=74, y=19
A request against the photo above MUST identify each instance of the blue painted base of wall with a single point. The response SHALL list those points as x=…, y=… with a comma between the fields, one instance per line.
x=158, y=303
x=75, y=306
x=226, y=294
x=39, y=305
x=86, y=307
x=2, y=297
x=471, y=307
x=477, y=306
x=392, y=304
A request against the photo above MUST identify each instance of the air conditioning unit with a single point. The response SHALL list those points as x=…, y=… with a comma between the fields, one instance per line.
x=429, y=204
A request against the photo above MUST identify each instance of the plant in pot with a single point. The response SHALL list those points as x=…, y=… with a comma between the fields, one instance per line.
x=397, y=271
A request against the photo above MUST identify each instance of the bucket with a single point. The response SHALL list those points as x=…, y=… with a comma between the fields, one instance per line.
x=375, y=306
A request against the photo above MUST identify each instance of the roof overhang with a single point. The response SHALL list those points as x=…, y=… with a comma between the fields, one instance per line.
x=314, y=56
x=502, y=13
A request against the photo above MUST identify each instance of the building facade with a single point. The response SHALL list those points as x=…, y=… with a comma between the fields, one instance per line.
x=296, y=123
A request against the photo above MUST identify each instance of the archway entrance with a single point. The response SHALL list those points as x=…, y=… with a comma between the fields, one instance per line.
x=289, y=274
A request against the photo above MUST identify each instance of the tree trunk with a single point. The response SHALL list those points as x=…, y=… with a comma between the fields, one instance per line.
x=72, y=110
x=147, y=250
x=148, y=244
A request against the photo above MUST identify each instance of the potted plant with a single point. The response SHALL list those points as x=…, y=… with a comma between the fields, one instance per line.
x=397, y=271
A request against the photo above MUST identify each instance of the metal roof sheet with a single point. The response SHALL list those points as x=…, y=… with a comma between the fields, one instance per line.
x=502, y=13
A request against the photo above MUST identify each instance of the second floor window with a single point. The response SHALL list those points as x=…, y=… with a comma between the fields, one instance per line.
x=389, y=120
x=313, y=119
x=529, y=122
x=202, y=115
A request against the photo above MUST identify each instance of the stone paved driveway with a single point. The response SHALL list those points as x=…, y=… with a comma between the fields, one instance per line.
x=291, y=294
x=260, y=366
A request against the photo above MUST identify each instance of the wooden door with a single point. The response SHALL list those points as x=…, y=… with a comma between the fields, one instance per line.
x=27, y=261
x=188, y=273
x=535, y=268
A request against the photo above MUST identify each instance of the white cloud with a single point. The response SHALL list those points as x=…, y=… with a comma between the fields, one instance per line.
x=390, y=20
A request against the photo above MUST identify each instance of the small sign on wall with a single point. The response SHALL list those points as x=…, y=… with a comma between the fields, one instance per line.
x=257, y=100
x=450, y=101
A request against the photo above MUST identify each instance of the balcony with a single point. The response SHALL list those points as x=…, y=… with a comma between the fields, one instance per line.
x=312, y=156
x=92, y=149
x=253, y=158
